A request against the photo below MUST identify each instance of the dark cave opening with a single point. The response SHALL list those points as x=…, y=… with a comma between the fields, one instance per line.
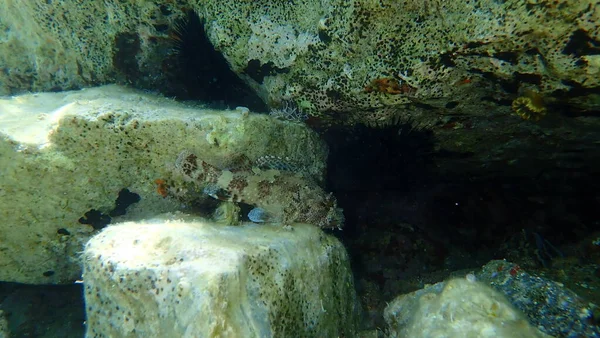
x=406, y=224
x=395, y=175
x=181, y=62
x=195, y=70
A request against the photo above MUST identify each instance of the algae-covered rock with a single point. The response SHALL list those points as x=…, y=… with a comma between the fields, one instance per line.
x=4, y=333
x=190, y=278
x=61, y=45
x=456, y=308
x=454, y=66
x=377, y=62
x=67, y=157
x=364, y=61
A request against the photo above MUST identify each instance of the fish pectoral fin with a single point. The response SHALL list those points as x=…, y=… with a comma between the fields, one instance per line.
x=258, y=215
x=217, y=192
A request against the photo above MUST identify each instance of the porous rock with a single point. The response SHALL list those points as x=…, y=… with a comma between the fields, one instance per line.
x=66, y=156
x=456, y=308
x=497, y=82
x=186, y=277
x=365, y=61
x=376, y=62
x=502, y=86
x=60, y=45
x=549, y=305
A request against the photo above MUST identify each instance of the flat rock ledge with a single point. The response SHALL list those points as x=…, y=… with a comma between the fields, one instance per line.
x=66, y=157
x=182, y=277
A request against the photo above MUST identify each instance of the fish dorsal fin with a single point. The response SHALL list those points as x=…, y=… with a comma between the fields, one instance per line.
x=236, y=164
x=268, y=162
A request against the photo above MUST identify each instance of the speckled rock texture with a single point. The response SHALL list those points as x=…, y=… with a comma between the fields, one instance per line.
x=508, y=86
x=364, y=61
x=455, y=309
x=190, y=278
x=67, y=156
x=377, y=61
x=499, y=300
x=65, y=44
x=503, y=86
x=548, y=305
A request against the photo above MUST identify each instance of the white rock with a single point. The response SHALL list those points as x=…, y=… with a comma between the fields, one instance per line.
x=459, y=308
x=190, y=278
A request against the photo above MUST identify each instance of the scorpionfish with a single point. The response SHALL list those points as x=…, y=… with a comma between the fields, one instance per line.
x=278, y=196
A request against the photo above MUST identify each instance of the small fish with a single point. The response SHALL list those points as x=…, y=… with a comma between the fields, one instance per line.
x=277, y=195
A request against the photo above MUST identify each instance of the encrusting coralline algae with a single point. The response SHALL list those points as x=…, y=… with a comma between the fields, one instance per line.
x=278, y=195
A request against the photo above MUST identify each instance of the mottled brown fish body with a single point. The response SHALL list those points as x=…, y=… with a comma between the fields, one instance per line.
x=287, y=197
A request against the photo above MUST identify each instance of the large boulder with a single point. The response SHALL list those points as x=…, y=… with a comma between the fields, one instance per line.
x=373, y=62
x=190, y=278
x=503, y=86
x=456, y=308
x=548, y=304
x=59, y=45
x=377, y=62
x=73, y=160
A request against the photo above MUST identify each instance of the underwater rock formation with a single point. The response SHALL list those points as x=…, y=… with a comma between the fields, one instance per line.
x=3, y=325
x=191, y=278
x=375, y=62
x=71, y=161
x=372, y=62
x=548, y=305
x=54, y=45
x=457, y=308
x=496, y=82
x=504, y=86
x=500, y=300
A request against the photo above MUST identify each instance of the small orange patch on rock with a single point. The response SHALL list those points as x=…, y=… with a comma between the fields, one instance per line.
x=384, y=85
x=389, y=85
x=162, y=187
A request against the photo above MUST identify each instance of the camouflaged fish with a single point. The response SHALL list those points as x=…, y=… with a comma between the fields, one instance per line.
x=277, y=195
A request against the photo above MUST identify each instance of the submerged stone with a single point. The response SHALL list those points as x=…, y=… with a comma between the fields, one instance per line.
x=187, y=277
x=67, y=157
